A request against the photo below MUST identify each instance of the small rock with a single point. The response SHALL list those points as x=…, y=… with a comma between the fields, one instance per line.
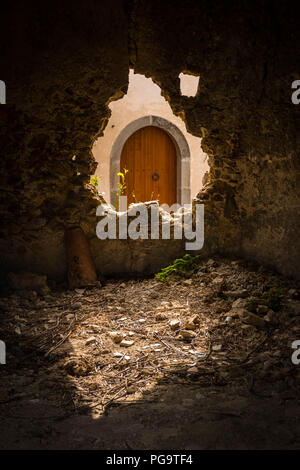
x=217, y=347
x=189, y=325
x=160, y=316
x=236, y=294
x=126, y=343
x=228, y=319
x=218, y=280
x=76, y=306
x=195, y=319
x=174, y=324
x=262, y=309
x=116, y=336
x=187, y=334
x=95, y=328
x=70, y=317
x=105, y=351
x=187, y=282
x=77, y=367
x=251, y=319
x=118, y=354
x=79, y=291
x=90, y=340
x=193, y=370
x=271, y=317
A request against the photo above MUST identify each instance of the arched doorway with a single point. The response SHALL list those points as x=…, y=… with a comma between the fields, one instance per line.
x=149, y=155
x=182, y=151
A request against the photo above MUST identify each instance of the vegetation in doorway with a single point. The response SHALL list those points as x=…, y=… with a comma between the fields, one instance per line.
x=181, y=267
x=94, y=180
x=122, y=186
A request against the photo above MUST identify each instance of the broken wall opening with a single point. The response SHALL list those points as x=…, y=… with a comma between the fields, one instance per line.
x=143, y=100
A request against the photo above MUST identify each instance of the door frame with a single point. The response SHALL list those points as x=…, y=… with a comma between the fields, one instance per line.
x=182, y=151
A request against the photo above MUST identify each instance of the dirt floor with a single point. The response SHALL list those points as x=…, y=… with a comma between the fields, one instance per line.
x=201, y=362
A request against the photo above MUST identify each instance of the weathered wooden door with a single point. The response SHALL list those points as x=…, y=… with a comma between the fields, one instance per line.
x=149, y=155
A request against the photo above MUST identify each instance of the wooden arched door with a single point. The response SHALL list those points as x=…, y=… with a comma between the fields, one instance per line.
x=149, y=155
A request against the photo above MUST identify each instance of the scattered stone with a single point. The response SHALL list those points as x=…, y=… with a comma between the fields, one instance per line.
x=217, y=347
x=174, y=324
x=187, y=334
x=189, y=325
x=116, y=336
x=126, y=343
x=105, y=351
x=94, y=328
x=228, y=319
x=79, y=291
x=76, y=306
x=251, y=319
x=118, y=354
x=193, y=370
x=195, y=319
x=237, y=294
x=70, y=317
x=77, y=367
x=160, y=316
x=90, y=340
x=271, y=317
x=218, y=280
x=262, y=309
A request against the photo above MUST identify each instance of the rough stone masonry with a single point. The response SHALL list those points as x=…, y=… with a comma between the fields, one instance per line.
x=63, y=63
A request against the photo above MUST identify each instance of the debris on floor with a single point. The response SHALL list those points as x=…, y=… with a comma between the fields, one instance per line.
x=89, y=348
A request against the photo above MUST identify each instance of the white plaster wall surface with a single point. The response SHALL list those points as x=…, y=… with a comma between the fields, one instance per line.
x=142, y=99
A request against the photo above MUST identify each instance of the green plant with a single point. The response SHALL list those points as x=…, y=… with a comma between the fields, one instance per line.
x=273, y=297
x=94, y=180
x=181, y=266
x=122, y=185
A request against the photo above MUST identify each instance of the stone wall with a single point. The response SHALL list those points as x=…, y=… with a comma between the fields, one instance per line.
x=64, y=63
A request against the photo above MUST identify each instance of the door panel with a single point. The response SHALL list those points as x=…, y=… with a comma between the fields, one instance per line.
x=149, y=155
